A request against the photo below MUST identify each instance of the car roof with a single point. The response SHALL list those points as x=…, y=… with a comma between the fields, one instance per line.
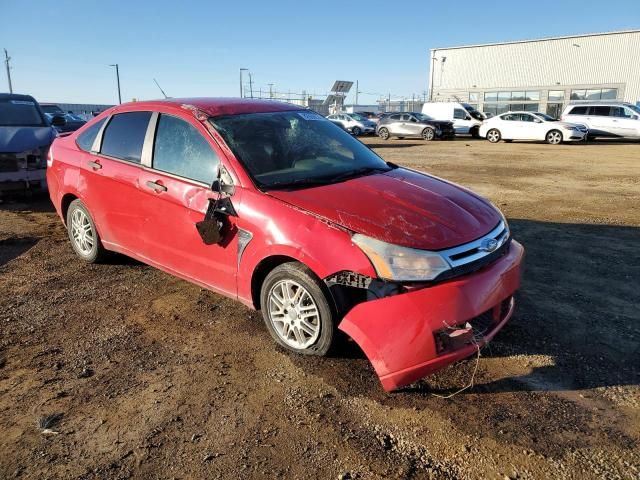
x=16, y=96
x=211, y=106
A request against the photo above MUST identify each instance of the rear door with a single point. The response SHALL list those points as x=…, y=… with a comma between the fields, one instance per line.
x=177, y=189
x=625, y=121
x=109, y=179
x=602, y=121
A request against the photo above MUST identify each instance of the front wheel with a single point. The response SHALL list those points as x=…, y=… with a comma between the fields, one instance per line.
x=383, y=133
x=83, y=233
x=428, y=134
x=356, y=131
x=493, y=135
x=296, y=310
x=554, y=137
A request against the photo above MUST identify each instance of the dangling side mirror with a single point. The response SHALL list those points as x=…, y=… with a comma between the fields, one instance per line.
x=212, y=227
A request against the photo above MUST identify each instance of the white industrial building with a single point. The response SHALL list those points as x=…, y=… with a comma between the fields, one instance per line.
x=539, y=75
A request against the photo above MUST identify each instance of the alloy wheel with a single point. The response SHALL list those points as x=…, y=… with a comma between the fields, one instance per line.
x=493, y=136
x=82, y=232
x=554, y=138
x=294, y=314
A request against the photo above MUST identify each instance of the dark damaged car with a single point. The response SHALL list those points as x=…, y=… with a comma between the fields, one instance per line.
x=25, y=137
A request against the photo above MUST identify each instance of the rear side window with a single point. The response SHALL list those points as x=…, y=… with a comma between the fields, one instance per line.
x=124, y=136
x=394, y=117
x=600, y=111
x=181, y=150
x=578, y=111
x=85, y=139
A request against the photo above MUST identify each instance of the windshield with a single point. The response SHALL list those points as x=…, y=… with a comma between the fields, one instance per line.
x=20, y=113
x=295, y=149
x=635, y=108
x=546, y=117
x=357, y=116
x=423, y=117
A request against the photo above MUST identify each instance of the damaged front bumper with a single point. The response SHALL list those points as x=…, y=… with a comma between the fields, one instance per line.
x=22, y=171
x=402, y=334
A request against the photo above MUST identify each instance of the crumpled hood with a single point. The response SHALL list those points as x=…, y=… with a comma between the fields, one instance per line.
x=400, y=207
x=20, y=139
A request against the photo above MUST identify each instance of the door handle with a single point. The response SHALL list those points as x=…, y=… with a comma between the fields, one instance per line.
x=157, y=187
x=95, y=165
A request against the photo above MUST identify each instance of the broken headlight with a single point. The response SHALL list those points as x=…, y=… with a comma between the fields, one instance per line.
x=402, y=264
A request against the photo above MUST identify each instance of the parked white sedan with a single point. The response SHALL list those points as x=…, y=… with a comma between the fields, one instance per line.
x=531, y=126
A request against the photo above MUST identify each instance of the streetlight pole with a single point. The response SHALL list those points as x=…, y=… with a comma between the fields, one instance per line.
x=118, y=80
x=6, y=61
x=241, y=86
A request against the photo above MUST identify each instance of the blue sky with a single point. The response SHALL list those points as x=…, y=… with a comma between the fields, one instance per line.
x=61, y=49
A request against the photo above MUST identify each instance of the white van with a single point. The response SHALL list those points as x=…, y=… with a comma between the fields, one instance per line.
x=465, y=118
x=605, y=119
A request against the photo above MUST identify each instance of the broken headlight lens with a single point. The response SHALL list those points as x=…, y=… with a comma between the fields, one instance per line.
x=402, y=264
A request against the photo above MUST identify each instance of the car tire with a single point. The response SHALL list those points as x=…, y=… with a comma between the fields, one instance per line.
x=383, y=133
x=356, y=131
x=554, y=137
x=83, y=234
x=494, y=135
x=428, y=134
x=289, y=292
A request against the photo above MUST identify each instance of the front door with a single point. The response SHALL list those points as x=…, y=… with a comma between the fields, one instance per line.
x=177, y=190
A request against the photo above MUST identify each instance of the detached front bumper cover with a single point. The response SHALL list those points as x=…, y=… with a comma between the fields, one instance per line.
x=398, y=333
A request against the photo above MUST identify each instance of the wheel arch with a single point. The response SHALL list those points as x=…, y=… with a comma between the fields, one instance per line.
x=65, y=202
x=261, y=271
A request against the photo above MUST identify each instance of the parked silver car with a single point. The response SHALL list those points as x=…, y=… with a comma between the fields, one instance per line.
x=353, y=122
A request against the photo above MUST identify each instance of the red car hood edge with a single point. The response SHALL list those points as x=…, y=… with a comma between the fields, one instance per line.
x=402, y=207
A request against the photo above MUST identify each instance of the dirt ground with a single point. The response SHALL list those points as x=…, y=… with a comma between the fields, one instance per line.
x=146, y=376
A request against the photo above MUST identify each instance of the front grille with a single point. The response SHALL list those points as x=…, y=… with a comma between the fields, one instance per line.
x=8, y=163
x=472, y=256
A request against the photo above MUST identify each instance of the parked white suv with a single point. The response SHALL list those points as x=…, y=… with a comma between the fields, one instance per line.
x=605, y=119
x=531, y=126
x=353, y=123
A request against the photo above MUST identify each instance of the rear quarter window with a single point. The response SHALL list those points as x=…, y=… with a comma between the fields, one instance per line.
x=124, y=136
x=85, y=139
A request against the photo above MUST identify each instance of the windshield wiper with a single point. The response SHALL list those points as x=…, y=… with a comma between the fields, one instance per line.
x=358, y=172
x=326, y=180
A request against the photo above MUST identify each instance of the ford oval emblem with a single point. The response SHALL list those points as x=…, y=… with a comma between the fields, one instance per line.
x=488, y=245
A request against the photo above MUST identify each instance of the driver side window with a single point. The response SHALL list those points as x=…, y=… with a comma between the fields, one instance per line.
x=459, y=114
x=181, y=150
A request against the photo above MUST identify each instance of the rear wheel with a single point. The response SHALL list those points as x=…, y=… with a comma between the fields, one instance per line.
x=428, y=134
x=296, y=310
x=554, y=137
x=356, y=131
x=83, y=233
x=493, y=135
x=383, y=133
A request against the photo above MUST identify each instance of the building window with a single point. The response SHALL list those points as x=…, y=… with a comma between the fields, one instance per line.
x=595, y=94
x=473, y=97
x=520, y=95
x=527, y=107
x=533, y=96
x=554, y=109
x=556, y=95
x=504, y=96
x=491, y=97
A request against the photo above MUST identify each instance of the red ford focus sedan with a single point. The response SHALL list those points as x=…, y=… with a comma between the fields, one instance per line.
x=273, y=205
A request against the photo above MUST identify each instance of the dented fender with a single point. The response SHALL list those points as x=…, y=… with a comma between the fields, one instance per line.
x=397, y=333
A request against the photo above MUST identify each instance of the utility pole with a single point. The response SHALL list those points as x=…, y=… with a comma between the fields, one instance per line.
x=389, y=103
x=6, y=61
x=250, y=84
x=356, y=93
x=271, y=90
x=241, y=85
x=118, y=80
